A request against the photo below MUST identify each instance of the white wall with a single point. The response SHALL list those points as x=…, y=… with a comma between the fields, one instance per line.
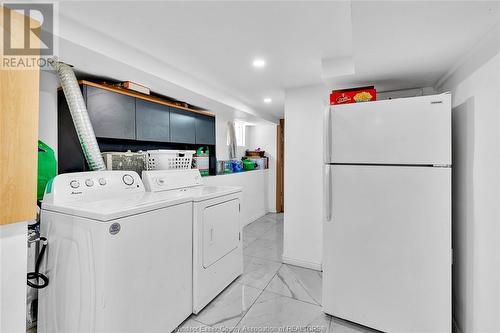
x=47, y=126
x=13, y=267
x=475, y=87
x=263, y=136
x=303, y=219
x=222, y=149
x=254, y=198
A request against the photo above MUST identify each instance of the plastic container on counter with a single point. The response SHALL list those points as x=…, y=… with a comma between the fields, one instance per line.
x=248, y=165
x=237, y=165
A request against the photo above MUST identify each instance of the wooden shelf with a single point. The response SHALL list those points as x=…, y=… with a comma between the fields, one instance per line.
x=144, y=97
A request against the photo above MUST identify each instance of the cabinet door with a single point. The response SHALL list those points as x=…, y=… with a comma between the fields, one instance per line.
x=152, y=121
x=112, y=115
x=182, y=126
x=205, y=130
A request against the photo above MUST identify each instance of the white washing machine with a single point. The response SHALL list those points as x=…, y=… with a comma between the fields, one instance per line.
x=217, y=243
x=118, y=259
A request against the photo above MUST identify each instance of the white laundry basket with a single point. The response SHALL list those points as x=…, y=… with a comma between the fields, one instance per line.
x=163, y=159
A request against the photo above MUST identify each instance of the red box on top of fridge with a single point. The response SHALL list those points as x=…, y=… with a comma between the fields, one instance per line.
x=353, y=95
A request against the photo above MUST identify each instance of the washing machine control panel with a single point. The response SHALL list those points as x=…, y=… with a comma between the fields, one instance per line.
x=93, y=185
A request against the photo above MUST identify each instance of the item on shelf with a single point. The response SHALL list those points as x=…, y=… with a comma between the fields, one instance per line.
x=257, y=153
x=353, y=95
x=228, y=167
x=183, y=104
x=237, y=166
x=249, y=165
x=117, y=160
x=163, y=159
x=135, y=87
x=201, y=161
x=47, y=167
x=220, y=167
x=259, y=163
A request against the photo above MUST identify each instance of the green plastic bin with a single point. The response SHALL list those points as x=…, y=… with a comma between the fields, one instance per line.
x=47, y=167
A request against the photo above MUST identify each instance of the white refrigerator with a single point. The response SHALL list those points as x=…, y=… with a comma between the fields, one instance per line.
x=387, y=231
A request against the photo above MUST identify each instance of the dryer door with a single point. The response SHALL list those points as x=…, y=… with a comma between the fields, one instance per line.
x=221, y=230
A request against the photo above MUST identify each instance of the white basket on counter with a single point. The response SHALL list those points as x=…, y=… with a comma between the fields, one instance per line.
x=163, y=159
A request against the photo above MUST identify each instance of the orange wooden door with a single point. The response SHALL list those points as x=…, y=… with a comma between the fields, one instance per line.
x=280, y=166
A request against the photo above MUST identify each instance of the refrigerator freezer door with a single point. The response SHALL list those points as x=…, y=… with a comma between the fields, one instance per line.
x=387, y=249
x=415, y=131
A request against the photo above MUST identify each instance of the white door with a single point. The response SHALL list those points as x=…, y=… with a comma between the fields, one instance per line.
x=387, y=247
x=221, y=230
x=401, y=131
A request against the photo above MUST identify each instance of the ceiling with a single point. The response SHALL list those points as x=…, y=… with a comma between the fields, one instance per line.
x=410, y=44
x=391, y=44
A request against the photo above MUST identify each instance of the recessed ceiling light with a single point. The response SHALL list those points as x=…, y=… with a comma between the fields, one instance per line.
x=267, y=100
x=259, y=63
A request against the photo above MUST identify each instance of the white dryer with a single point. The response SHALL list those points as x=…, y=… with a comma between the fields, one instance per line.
x=119, y=259
x=217, y=243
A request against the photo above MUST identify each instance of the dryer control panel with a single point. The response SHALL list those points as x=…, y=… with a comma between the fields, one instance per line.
x=92, y=185
x=164, y=180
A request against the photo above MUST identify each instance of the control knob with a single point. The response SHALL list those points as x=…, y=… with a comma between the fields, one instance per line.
x=128, y=179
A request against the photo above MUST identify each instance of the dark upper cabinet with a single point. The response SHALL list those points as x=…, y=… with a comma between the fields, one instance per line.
x=205, y=129
x=112, y=114
x=119, y=116
x=152, y=121
x=182, y=126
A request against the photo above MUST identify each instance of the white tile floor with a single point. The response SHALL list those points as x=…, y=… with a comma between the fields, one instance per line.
x=269, y=295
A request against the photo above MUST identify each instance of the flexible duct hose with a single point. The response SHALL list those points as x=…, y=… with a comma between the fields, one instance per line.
x=80, y=115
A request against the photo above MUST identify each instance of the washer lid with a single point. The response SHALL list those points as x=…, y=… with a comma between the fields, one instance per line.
x=122, y=206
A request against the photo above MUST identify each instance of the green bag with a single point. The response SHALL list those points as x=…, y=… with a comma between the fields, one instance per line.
x=47, y=167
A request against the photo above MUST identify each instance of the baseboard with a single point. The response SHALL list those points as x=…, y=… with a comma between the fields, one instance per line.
x=302, y=263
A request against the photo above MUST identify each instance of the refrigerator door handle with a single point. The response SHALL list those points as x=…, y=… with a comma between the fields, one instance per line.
x=328, y=193
x=327, y=132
